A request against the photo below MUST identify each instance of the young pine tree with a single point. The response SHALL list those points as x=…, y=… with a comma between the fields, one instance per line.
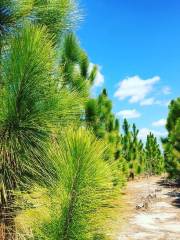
x=82, y=190
x=172, y=143
x=31, y=112
x=154, y=158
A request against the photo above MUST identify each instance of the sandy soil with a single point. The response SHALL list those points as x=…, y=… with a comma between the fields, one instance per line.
x=151, y=211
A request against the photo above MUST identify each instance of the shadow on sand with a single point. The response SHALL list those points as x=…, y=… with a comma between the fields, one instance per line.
x=174, y=187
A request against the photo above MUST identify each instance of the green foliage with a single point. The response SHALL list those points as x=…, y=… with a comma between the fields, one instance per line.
x=57, y=15
x=99, y=116
x=105, y=126
x=29, y=115
x=83, y=186
x=172, y=143
x=139, y=169
x=25, y=104
x=27, y=109
x=58, y=180
x=126, y=148
x=100, y=236
x=126, y=140
x=11, y=13
x=133, y=149
x=174, y=114
x=154, y=159
x=75, y=66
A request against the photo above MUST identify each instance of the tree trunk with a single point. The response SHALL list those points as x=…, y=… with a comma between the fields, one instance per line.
x=7, y=219
x=7, y=187
x=2, y=230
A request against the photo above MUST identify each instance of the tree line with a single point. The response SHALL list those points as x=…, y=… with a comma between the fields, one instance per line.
x=64, y=155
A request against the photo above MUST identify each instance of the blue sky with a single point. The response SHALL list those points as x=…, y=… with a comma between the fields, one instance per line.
x=136, y=43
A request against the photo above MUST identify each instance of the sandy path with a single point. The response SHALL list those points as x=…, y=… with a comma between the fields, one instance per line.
x=160, y=221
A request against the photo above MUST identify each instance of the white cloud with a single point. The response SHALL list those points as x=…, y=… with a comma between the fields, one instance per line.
x=159, y=123
x=129, y=113
x=163, y=103
x=135, y=88
x=147, y=102
x=166, y=90
x=167, y=103
x=143, y=132
x=99, y=80
x=153, y=101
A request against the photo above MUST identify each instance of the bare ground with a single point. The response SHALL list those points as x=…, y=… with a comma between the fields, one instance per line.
x=150, y=210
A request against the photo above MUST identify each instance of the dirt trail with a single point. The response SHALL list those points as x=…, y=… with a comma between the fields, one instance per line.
x=160, y=220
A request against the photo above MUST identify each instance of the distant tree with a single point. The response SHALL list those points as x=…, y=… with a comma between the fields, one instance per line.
x=99, y=117
x=133, y=149
x=127, y=139
x=154, y=158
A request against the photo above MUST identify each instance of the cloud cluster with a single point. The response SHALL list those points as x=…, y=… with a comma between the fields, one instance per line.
x=129, y=113
x=160, y=123
x=143, y=132
x=148, y=102
x=153, y=101
x=166, y=90
x=136, y=89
